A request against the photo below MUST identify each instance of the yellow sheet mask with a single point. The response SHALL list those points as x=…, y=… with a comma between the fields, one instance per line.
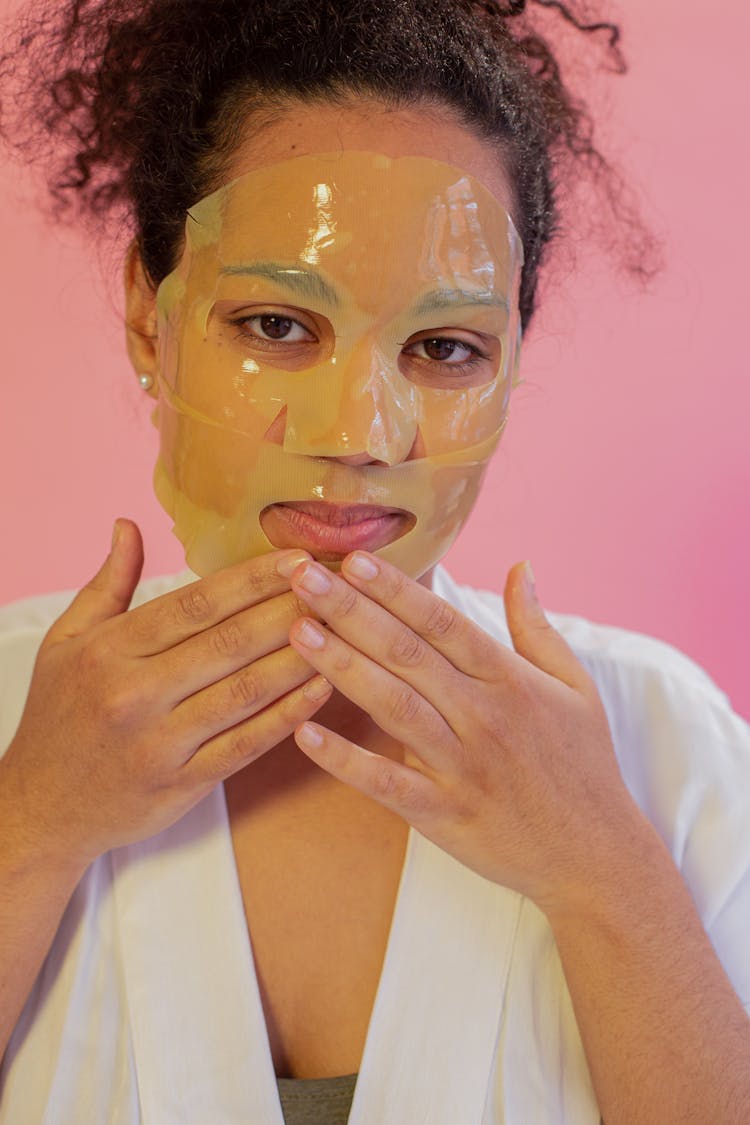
x=308, y=320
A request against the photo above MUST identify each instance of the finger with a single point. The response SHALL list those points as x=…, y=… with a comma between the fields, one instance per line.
x=227, y=647
x=239, y=696
x=398, y=787
x=230, y=751
x=374, y=631
x=110, y=591
x=467, y=647
x=167, y=621
x=532, y=635
x=398, y=708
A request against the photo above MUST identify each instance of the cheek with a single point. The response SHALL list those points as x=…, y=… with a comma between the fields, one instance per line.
x=207, y=463
x=442, y=495
x=453, y=420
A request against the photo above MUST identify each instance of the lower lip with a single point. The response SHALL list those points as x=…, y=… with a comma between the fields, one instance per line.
x=327, y=539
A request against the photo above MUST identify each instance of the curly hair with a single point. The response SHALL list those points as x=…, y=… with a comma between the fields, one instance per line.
x=139, y=104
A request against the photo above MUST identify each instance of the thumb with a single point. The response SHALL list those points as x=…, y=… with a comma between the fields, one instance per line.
x=532, y=635
x=110, y=590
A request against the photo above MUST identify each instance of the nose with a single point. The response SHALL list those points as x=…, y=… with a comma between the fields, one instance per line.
x=358, y=408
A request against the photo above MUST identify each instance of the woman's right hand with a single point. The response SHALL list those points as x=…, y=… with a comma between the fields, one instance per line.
x=133, y=717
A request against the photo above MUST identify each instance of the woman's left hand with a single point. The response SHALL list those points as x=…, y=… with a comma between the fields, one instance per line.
x=508, y=762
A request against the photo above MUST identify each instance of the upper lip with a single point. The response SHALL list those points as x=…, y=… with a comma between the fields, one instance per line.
x=342, y=515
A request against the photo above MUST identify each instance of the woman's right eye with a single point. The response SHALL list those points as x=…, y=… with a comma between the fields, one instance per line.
x=274, y=327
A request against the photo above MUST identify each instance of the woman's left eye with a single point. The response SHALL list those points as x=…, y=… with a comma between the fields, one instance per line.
x=443, y=349
x=273, y=327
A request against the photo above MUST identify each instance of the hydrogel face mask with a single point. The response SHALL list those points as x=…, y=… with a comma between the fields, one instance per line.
x=348, y=305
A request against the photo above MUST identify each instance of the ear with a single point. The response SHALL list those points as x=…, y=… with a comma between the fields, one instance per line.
x=140, y=317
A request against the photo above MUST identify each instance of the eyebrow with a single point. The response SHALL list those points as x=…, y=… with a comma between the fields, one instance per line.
x=306, y=283
x=458, y=298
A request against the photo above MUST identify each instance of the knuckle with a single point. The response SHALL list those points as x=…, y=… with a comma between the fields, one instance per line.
x=298, y=608
x=384, y=782
x=234, y=751
x=294, y=707
x=407, y=649
x=442, y=621
x=247, y=688
x=541, y=626
x=94, y=657
x=343, y=660
x=396, y=583
x=227, y=638
x=475, y=771
x=192, y=606
x=121, y=705
x=347, y=602
x=537, y=625
x=243, y=746
x=404, y=704
x=256, y=582
x=391, y=785
x=98, y=584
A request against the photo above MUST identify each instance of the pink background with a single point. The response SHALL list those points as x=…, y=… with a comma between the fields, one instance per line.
x=624, y=474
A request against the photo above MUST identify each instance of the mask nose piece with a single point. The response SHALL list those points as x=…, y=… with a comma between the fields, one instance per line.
x=363, y=408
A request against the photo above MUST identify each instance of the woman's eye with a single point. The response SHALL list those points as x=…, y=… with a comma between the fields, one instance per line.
x=441, y=349
x=271, y=326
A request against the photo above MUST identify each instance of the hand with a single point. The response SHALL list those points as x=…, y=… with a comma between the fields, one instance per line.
x=133, y=717
x=507, y=760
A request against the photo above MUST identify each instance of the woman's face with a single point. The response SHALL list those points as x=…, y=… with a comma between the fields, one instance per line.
x=338, y=341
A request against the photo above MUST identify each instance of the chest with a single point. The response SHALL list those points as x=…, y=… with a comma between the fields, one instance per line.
x=318, y=893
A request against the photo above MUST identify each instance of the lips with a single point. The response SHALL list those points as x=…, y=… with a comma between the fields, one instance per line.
x=330, y=531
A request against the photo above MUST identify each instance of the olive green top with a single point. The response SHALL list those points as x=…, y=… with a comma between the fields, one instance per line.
x=317, y=1101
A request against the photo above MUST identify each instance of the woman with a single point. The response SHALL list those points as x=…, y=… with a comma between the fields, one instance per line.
x=338, y=221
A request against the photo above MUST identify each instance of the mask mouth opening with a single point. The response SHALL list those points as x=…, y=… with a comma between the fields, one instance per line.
x=330, y=531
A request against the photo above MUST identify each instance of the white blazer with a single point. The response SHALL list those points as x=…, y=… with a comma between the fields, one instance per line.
x=147, y=1009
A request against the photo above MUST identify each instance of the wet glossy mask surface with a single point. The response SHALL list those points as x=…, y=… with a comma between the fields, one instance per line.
x=293, y=332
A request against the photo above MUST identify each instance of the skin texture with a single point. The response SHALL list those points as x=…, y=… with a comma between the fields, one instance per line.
x=492, y=753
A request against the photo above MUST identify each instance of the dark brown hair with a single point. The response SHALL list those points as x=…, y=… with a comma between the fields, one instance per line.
x=144, y=100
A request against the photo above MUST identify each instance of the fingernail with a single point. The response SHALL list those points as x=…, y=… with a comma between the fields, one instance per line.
x=529, y=581
x=308, y=735
x=310, y=635
x=361, y=566
x=317, y=689
x=315, y=580
x=116, y=532
x=287, y=564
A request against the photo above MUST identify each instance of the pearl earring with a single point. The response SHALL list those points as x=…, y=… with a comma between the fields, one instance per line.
x=146, y=381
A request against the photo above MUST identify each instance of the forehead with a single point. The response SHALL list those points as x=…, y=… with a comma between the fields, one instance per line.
x=361, y=224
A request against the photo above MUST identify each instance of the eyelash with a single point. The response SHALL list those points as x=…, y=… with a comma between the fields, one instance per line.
x=456, y=369
x=240, y=321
